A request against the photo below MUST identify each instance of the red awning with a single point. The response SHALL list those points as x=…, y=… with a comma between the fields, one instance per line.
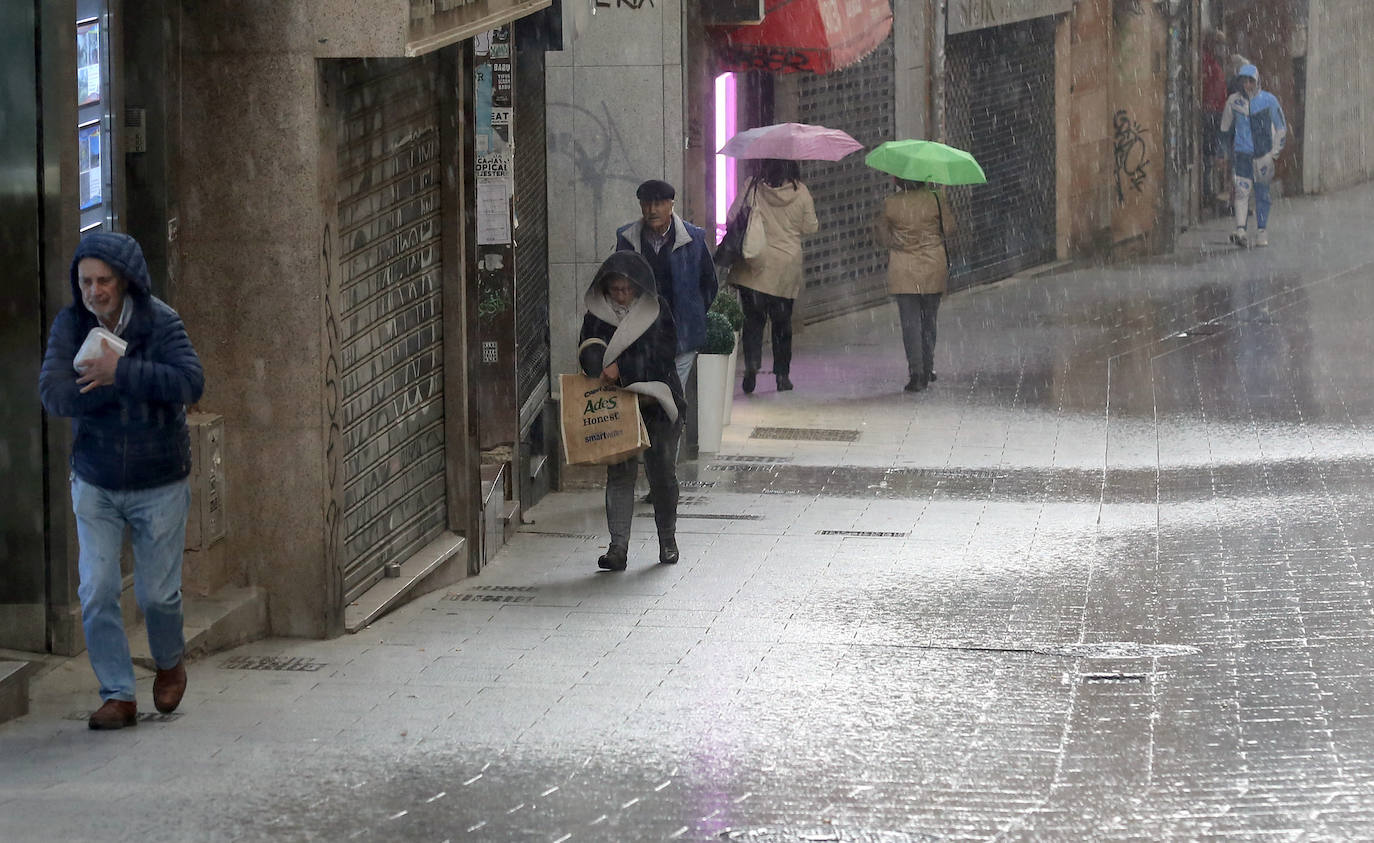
x=819, y=36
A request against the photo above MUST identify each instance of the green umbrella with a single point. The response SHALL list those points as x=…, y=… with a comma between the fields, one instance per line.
x=922, y=160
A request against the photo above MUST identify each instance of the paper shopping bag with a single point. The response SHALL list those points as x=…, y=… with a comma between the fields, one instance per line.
x=601, y=424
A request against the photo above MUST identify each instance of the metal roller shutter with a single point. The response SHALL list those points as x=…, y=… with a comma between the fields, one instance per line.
x=391, y=335
x=845, y=271
x=1000, y=107
x=532, y=233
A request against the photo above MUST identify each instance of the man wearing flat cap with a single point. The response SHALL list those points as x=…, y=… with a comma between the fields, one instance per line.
x=682, y=264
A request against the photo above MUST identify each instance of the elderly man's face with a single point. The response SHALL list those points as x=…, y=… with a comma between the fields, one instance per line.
x=102, y=290
x=658, y=214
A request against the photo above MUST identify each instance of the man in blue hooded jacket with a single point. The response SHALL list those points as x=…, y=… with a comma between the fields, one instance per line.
x=131, y=456
x=1252, y=125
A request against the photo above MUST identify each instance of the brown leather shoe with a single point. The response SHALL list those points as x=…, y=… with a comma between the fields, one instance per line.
x=114, y=714
x=168, y=687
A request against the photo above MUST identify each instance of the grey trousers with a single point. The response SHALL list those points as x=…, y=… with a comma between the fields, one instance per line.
x=660, y=464
x=918, y=312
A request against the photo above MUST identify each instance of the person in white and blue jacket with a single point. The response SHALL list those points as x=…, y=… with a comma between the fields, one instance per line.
x=1253, y=128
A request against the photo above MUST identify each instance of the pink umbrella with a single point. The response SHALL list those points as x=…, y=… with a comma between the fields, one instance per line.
x=794, y=141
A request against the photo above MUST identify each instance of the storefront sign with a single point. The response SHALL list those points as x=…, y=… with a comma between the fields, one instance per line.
x=968, y=15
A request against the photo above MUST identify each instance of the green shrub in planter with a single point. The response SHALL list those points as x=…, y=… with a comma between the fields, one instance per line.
x=720, y=339
x=727, y=303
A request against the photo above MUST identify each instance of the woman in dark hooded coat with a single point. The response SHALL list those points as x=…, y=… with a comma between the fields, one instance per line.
x=628, y=339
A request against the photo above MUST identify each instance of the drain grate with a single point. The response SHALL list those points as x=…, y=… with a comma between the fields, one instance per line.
x=697, y=484
x=863, y=534
x=691, y=500
x=303, y=664
x=712, y=516
x=555, y=535
x=505, y=588
x=1114, y=678
x=474, y=597
x=743, y=467
x=750, y=458
x=143, y=716
x=805, y=434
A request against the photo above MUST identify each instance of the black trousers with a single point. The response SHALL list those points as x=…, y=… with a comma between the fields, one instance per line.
x=759, y=308
x=660, y=464
x=918, y=312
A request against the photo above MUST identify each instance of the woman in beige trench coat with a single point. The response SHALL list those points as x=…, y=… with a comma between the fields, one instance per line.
x=769, y=284
x=913, y=225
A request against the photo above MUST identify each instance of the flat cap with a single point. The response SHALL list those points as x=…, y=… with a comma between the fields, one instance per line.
x=655, y=190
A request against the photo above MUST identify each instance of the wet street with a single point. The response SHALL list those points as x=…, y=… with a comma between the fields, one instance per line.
x=1110, y=578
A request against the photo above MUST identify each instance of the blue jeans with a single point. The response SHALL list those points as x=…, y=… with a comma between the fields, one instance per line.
x=684, y=363
x=157, y=523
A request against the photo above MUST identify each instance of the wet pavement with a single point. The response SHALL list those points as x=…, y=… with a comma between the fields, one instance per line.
x=1110, y=578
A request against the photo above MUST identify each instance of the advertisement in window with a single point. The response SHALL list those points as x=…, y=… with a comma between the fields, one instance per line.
x=88, y=156
x=88, y=63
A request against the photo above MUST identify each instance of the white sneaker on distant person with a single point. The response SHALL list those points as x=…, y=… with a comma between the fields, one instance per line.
x=1239, y=237
x=1261, y=238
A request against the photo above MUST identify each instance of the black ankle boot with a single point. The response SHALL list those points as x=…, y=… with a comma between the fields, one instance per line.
x=667, y=550
x=749, y=378
x=784, y=383
x=614, y=558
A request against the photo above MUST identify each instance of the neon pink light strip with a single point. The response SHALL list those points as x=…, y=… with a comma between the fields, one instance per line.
x=726, y=123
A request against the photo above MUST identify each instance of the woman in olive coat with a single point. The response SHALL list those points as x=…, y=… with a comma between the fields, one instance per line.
x=913, y=225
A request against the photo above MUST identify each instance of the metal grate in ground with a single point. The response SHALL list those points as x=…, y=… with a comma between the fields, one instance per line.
x=805, y=434
x=863, y=534
x=712, y=516
x=751, y=458
x=304, y=664
x=469, y=597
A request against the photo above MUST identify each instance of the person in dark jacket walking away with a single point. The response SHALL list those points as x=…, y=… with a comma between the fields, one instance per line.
x=131, y=456
x=769, y=284
x=629, y=339
x=681, y=262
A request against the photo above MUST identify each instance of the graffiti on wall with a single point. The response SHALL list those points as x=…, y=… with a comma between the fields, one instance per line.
x=625, y=4
x=1131, y=153
x=598, y=152
x=333, y=451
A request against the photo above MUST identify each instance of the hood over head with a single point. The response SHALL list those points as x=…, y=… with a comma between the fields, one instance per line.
x=628, y=263
x=124, y=256
x=1249, y=70
x=779, y=197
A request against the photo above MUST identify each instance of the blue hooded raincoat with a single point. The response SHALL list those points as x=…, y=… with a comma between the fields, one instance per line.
x=131, y=435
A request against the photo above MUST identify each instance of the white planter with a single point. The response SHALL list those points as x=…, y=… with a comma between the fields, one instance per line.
x=730, y=381
x=711, y=377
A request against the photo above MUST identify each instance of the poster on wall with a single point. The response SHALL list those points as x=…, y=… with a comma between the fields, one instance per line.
x=88, y=63
x=88, y=158
x=492, y=92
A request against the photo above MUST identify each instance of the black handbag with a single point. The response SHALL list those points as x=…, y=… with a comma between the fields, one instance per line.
x=730, y=251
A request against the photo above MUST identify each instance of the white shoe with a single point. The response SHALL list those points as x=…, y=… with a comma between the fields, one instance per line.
x=1239, y=238
x=1261, y=238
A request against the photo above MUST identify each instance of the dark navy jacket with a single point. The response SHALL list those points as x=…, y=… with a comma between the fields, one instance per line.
x=693, y=285
x=131, y=435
